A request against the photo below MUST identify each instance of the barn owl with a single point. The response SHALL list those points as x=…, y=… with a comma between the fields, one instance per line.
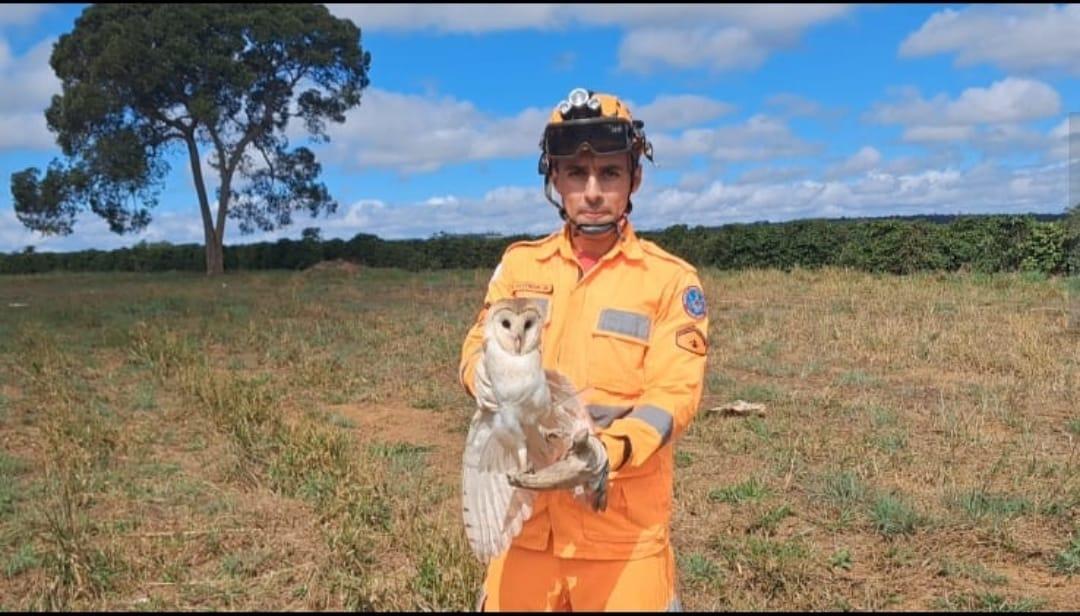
x=525, y=422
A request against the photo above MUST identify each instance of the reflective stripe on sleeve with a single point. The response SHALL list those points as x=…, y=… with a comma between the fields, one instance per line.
x=603, y=415
x=661, y=420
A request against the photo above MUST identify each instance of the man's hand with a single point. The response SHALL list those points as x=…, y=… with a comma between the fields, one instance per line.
x=585, y=464
x=485, y=394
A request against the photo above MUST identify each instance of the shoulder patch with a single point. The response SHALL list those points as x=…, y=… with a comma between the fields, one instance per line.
x=693, y=301
x=691, y=339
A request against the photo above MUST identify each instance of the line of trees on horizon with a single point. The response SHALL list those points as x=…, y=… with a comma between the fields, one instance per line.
x=1046, y=243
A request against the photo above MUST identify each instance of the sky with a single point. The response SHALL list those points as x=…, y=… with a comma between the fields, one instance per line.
x=763, y=112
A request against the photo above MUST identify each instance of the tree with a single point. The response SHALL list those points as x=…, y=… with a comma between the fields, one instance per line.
x=140, y=81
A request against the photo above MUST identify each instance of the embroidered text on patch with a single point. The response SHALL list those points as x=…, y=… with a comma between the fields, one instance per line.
x=694, y=302
x=533, y=287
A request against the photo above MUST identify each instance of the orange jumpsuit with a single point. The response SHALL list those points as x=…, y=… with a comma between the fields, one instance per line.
x=634, y=329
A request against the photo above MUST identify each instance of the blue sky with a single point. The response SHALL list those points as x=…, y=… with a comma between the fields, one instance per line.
x=755, y=112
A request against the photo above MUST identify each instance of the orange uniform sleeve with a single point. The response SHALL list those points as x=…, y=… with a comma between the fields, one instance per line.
x=674, y=376
x=499, y=287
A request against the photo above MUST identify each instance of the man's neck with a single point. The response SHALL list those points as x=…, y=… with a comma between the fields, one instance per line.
x=593, y=246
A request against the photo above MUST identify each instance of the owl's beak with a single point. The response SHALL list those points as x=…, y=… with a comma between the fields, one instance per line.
x=517, y=345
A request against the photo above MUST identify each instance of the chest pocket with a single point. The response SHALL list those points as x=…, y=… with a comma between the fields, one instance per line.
x=619, y=342
x=543, y=301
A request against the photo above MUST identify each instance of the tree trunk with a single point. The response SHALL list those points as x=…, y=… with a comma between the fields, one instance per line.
x=215, y=253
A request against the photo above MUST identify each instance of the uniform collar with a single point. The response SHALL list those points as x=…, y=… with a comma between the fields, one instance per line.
x=629, y=245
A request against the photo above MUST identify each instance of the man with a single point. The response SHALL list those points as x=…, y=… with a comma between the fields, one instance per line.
x=626, y=319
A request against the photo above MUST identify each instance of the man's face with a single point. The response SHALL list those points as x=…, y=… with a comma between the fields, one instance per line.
x=595, y=188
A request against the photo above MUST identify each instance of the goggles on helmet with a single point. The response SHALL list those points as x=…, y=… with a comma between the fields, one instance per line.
x=601, y=135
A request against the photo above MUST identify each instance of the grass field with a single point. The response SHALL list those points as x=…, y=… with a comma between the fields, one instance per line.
x=292, y=441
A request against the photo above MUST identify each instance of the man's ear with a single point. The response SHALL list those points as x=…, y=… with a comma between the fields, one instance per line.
x=636, y=179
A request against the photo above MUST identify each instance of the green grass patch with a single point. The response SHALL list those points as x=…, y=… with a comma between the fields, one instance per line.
x=1073, y=426
x=403, y=457
x=977, y=504
x=841, y=559
x=684, y=459
x=892, y=515
x=857, y=378
x=842, y=489
x=699, y=569
x=21, y=560
x=750, y=490
x=760, y=393
x=769, y=522
x=972, y=571
x=1068, y=560
x=986, y=602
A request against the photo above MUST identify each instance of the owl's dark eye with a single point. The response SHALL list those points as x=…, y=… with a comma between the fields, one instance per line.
x=506, y=324
x=528, y=324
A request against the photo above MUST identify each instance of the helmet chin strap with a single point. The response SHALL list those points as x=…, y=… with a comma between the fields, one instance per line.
x=587, y=229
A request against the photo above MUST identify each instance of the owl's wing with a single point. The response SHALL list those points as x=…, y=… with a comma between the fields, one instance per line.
x=494, y=511
x=568, y=417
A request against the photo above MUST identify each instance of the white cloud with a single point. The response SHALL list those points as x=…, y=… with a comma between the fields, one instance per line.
x=1016, y=38
x=772, y=175
x=25, y=130
x=787, y=194
x=22, y=107
x=679, y=111
x=719, y=37
x=418, y=134
x=21, y=14
x=649, y=49
x=91, y=231
x=864, y=160
x=477, y=18
x=758, y=138
x=990, y=119
x=1008, y=100
x=455, y=18
x=982, y=189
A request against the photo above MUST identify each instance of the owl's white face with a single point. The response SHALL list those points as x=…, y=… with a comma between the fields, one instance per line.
x=514, y=324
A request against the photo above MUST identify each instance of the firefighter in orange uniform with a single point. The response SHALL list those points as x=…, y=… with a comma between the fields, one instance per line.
x=628, y=320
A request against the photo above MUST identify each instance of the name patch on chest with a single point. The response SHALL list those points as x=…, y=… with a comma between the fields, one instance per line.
x=533, y=287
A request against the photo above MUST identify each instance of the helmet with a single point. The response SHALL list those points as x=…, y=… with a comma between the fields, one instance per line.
x=597, y=122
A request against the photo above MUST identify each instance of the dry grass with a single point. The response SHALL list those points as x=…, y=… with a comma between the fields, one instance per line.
x=291, y=441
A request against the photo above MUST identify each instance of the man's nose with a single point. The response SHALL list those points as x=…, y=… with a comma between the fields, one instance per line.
x=592, y=189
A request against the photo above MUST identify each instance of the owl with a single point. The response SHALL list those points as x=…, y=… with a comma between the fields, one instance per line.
x=524, y=421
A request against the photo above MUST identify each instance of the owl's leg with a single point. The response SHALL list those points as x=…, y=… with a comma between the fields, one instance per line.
x=523, y=459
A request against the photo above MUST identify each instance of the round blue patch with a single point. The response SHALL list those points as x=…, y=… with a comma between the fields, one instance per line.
x=693, y=300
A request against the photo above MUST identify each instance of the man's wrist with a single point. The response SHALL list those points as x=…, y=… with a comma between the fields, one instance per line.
x=618, y=450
